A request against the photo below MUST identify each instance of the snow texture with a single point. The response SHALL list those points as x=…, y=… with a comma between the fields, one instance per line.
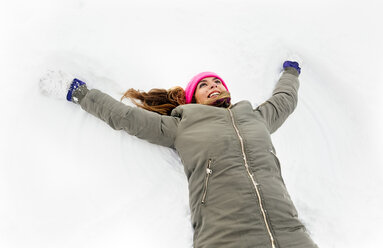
x=69, y=180
x=55, y=84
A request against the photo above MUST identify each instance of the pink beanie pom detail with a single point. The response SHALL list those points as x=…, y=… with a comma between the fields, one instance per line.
x=190, y=88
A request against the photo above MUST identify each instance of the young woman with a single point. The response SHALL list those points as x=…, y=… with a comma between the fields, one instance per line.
x=237, y=195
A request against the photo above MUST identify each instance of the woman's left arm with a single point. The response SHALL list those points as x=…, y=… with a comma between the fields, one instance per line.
x=284, y=99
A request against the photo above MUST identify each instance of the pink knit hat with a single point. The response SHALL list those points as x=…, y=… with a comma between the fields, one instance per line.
x=190, y=88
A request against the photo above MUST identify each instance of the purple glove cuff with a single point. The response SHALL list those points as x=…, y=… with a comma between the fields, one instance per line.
x=292, y=64
x=73, y=86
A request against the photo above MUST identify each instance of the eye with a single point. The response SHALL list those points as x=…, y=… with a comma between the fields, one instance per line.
x=202, y=84
x=217, y=81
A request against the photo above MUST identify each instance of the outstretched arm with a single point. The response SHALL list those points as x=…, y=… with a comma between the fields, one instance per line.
x=151, y=126
x=284, y=99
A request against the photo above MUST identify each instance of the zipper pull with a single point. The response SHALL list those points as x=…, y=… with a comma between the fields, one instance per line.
x=208, y=170
x=208, y=173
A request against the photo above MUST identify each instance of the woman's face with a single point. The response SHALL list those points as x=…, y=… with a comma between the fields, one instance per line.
x=207, y=88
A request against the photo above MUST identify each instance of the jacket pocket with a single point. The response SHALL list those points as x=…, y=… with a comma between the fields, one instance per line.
x=209, y=171
x=278, y=163
x=276, y=158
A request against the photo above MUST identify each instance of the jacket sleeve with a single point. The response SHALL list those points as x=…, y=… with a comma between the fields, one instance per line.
x=144, y=124
x=283, y=101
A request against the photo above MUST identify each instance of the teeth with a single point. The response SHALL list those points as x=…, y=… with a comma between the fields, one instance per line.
x=214, y=94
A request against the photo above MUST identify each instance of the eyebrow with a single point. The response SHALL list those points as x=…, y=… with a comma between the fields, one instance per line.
x=204, y=80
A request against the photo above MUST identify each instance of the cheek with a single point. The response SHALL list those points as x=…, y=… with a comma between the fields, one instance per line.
x=222, y=88
x=200, y=95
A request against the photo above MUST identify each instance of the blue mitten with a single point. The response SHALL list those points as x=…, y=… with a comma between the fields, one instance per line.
x=292, y=64
x=77, y=91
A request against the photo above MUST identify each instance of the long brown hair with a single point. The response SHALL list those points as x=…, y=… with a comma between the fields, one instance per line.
x=164, y=101
x=161, y=101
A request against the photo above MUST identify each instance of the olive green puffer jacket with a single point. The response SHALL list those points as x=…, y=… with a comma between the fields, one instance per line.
x=237, y=196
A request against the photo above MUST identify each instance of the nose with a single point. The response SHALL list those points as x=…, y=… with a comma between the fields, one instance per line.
x=214, y=84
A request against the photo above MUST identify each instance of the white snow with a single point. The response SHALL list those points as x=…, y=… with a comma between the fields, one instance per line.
x=69, y=180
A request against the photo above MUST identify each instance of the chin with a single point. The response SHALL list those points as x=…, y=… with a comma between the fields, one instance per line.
x=222, y=100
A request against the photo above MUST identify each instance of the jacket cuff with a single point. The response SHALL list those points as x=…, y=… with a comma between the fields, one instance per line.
x=79, y=94
x=292, y=70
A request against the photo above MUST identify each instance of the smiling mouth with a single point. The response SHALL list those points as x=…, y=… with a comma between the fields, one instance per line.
x=214, y=94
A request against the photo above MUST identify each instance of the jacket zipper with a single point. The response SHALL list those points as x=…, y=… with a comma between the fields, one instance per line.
x=255, y=184
x=208, y=173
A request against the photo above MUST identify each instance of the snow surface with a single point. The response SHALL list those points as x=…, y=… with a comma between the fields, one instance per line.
x=69, y=180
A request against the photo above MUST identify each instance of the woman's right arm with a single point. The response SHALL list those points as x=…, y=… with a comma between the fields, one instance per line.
x=151, y=126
